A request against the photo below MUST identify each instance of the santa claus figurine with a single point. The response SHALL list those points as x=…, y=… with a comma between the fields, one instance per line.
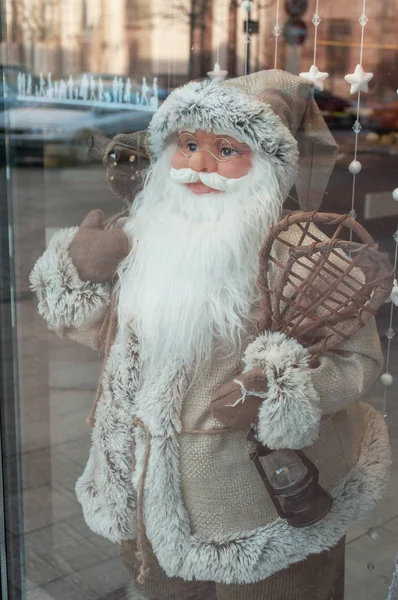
x=172, y=290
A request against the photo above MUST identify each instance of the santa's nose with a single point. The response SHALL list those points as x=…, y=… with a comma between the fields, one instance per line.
x=202, y=161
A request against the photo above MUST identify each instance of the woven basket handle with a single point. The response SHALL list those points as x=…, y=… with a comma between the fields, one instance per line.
x=327, y=303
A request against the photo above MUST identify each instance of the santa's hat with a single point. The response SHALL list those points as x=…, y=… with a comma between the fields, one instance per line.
x=273, y=111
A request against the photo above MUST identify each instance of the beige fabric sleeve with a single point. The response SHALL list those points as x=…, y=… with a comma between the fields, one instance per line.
x=89, y=336
x=348, y=372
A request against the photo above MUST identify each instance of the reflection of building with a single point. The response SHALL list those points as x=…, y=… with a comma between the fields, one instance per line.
x=133, y=37
x=339, y=40
x=177, y=39
x=339, y=35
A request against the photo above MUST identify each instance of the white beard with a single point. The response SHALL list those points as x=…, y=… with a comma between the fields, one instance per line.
x=190, y=278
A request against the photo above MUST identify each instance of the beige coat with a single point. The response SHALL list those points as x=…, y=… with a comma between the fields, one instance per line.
x=204, y=507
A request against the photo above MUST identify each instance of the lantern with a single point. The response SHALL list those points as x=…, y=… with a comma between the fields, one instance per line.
x=291, y=480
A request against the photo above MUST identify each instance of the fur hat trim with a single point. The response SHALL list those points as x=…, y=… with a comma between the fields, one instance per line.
x=212, y=106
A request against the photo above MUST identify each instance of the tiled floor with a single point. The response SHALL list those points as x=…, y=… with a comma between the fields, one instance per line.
x=64, y=559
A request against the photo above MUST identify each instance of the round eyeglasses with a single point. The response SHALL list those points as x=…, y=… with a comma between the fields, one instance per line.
x=221, y=149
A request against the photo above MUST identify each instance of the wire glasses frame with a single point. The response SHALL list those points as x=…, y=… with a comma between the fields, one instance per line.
x=221, y=149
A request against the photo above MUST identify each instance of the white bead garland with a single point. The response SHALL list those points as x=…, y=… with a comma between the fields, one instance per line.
x=394, y=293
x=358, y=81
x=314, y=75
x=218, y=74
x=355, y=167
x=277, y=32
x=386, y=379
x=246, y=5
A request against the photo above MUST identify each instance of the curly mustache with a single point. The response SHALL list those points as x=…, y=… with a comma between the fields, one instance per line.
x=212, y=180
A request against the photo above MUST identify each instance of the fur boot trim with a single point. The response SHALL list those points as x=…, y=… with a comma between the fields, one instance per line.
x=64, y=299
x=289, y=416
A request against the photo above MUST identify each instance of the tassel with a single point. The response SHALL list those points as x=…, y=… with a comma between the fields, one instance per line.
x=144, y=570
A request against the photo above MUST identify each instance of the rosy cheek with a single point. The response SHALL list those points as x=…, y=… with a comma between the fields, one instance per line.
x=235, y=168
x=179, y=161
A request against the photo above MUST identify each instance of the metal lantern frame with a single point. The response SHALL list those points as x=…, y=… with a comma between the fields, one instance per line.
x=299, y=491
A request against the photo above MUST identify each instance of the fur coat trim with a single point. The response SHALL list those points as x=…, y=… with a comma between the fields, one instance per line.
x=64, y=299
x=105, y=489
x=254, y=555
x=290, y=413
x=108, y=487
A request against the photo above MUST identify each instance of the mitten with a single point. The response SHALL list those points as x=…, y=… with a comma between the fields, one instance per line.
x=236, y=403
x=96, y=252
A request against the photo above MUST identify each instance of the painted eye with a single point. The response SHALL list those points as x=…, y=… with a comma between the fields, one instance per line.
x=227, y=152
x=192, y=147
x=187, y=144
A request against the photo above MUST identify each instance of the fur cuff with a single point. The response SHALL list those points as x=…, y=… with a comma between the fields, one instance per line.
x=290, y=413
x=64, y=299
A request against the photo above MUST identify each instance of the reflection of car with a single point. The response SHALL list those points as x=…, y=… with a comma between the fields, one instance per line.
x=31, y=128
x=384, y=117
x=337, y=112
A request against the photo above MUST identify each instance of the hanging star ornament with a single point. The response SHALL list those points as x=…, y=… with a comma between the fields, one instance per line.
x=358, y=80
x=315, y=76
x=217, y=74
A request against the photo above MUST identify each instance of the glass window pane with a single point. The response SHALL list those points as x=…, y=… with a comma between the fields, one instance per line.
x=162, y=471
